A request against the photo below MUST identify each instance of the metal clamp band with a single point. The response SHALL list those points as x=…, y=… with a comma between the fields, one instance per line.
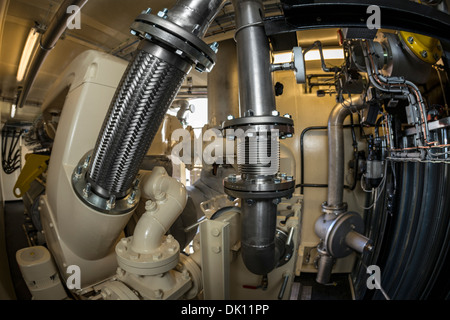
x=84, y=192
x=336, y=210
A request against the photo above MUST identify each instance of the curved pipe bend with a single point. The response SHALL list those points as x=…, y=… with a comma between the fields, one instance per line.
x=168, y=199
x=335, y=204
x=336, y=148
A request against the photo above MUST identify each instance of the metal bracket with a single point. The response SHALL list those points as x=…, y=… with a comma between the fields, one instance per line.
x=215, y=248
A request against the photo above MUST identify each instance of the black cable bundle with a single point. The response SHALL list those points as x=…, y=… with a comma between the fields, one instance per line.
x=11, y=155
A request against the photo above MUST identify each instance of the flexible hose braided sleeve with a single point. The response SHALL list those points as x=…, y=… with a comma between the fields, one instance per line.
x=147, y=89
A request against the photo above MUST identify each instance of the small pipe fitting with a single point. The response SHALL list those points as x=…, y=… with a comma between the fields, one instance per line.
x=168, y=199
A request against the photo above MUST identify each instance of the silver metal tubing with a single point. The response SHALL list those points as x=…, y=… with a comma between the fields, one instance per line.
x=194, y=15
x=259, y=251
x=324, y=268
x=336, y=149
x=358, y=242
x=258, y=152
x=48, y=41
x=259, y=155
x=255, y=79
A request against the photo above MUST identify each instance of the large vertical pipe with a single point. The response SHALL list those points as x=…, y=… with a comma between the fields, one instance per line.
x=255, y=79
x=256, y=98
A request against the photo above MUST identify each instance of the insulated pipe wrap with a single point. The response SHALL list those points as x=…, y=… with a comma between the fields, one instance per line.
x=146, y=91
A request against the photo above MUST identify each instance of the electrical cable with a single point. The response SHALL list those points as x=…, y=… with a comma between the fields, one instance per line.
x=11, y=159
x=318, y=44
x=302, y=183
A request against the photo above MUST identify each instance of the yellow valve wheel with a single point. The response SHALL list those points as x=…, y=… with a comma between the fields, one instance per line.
x=34, y=166
x=425, y=48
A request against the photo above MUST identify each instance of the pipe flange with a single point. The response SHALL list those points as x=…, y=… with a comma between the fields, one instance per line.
x=161, y=260
x=148, y=26
x=334, y=209
x=257, y=124
x=254, y=120
x=195, y=273
x=275, y=185
x=87, y=195
x=260, y=194
x=338, y=230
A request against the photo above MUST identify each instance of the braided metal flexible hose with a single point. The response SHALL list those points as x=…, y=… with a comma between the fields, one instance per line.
x=171, y=44
x=146, y=91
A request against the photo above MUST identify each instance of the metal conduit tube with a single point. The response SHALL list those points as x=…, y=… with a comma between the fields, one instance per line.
x=169, y=49
x=336, y=149
x=259, y=251
x=47, y=42
x=147, y=90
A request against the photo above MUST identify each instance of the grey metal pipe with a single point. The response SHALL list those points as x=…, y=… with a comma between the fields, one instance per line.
x=194, y=16
x=259, y=251
x=336, y=148
x=358, y=242
x=48, y=41
x=255, y=79
x=324, y=268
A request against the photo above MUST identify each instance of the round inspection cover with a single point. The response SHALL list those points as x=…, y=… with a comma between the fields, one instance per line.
x=335, y=238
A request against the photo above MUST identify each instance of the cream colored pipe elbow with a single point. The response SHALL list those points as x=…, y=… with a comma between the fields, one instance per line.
x=168, y=199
